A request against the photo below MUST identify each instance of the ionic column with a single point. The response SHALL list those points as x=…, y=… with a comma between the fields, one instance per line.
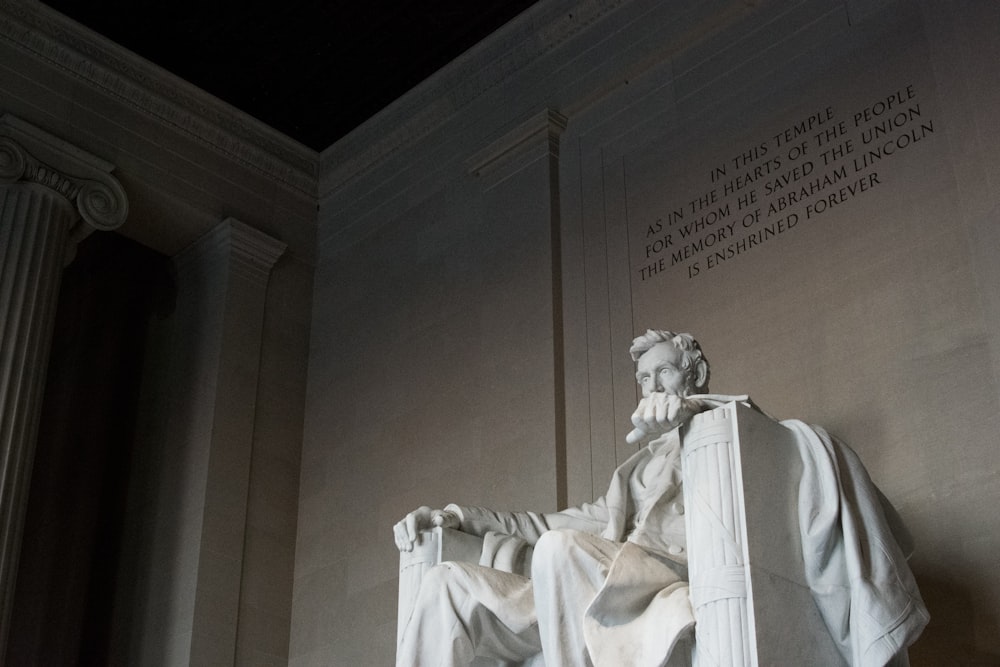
x=51, y=195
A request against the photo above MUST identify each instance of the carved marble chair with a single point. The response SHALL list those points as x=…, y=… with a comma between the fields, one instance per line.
x=752, y=603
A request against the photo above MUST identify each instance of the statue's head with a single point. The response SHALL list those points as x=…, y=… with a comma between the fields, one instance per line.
x=669, y=362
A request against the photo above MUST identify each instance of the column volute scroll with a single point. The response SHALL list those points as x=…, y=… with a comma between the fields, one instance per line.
x=31, y=156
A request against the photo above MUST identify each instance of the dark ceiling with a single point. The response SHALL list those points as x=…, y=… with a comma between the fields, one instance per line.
x=311, y=69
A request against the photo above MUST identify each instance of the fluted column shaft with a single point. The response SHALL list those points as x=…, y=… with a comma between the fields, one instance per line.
x=46, y=188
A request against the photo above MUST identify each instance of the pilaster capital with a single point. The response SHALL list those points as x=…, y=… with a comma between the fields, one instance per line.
x=236, y=247
x=253, y=251
x=31, y=155
x=536, y=137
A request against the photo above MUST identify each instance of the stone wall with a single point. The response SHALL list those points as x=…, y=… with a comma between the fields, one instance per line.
x=490, y=243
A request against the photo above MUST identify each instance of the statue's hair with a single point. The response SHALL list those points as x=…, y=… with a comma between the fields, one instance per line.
x=682, y=341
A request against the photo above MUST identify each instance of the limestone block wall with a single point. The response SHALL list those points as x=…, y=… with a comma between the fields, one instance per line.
x=202, y=541
x=837, y=270
x=474, y=301
x=424, y=323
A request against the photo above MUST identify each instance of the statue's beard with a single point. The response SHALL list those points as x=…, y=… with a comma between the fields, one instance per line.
x=688, y=389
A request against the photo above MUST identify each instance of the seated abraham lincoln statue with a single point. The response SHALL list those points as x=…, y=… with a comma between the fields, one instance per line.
x=608, y=581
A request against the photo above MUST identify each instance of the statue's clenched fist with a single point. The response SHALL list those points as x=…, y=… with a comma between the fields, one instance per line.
x=658, y=413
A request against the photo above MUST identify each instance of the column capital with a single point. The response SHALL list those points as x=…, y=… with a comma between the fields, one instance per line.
x=31, y=155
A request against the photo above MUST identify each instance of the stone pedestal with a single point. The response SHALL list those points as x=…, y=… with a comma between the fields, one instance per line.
x=51, y=195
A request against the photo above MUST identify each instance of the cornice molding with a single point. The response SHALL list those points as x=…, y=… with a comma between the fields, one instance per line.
x=519, y=44
x=65, y=44
x=28, y=154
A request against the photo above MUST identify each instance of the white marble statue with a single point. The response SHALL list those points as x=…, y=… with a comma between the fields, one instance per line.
x=607, y=584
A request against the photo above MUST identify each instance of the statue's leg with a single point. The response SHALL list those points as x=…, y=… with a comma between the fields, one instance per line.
x=465, y=610
x=568, y=569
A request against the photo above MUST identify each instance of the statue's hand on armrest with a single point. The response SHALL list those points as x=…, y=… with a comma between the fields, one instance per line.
x=408, y=529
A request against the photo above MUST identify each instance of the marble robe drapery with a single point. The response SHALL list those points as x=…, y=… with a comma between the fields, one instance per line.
x=628, y=621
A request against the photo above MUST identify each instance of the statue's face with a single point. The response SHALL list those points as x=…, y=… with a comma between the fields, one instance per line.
x=660, y=369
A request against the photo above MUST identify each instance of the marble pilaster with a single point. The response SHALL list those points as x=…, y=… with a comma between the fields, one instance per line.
x=240, y=259
x=51, y=195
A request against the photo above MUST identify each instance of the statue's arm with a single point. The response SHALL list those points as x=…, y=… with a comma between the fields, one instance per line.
x=529, y=526
x=473, y=520
x=588, y=518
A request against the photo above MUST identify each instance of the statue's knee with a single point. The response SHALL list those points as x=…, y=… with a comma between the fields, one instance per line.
x=441, y=577
x=551, y=549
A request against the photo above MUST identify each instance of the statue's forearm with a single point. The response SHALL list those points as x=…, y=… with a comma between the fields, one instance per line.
x=480, y=520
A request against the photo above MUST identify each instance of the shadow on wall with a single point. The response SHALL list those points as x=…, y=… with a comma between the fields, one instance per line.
x=75, y=533
x=949, y=638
